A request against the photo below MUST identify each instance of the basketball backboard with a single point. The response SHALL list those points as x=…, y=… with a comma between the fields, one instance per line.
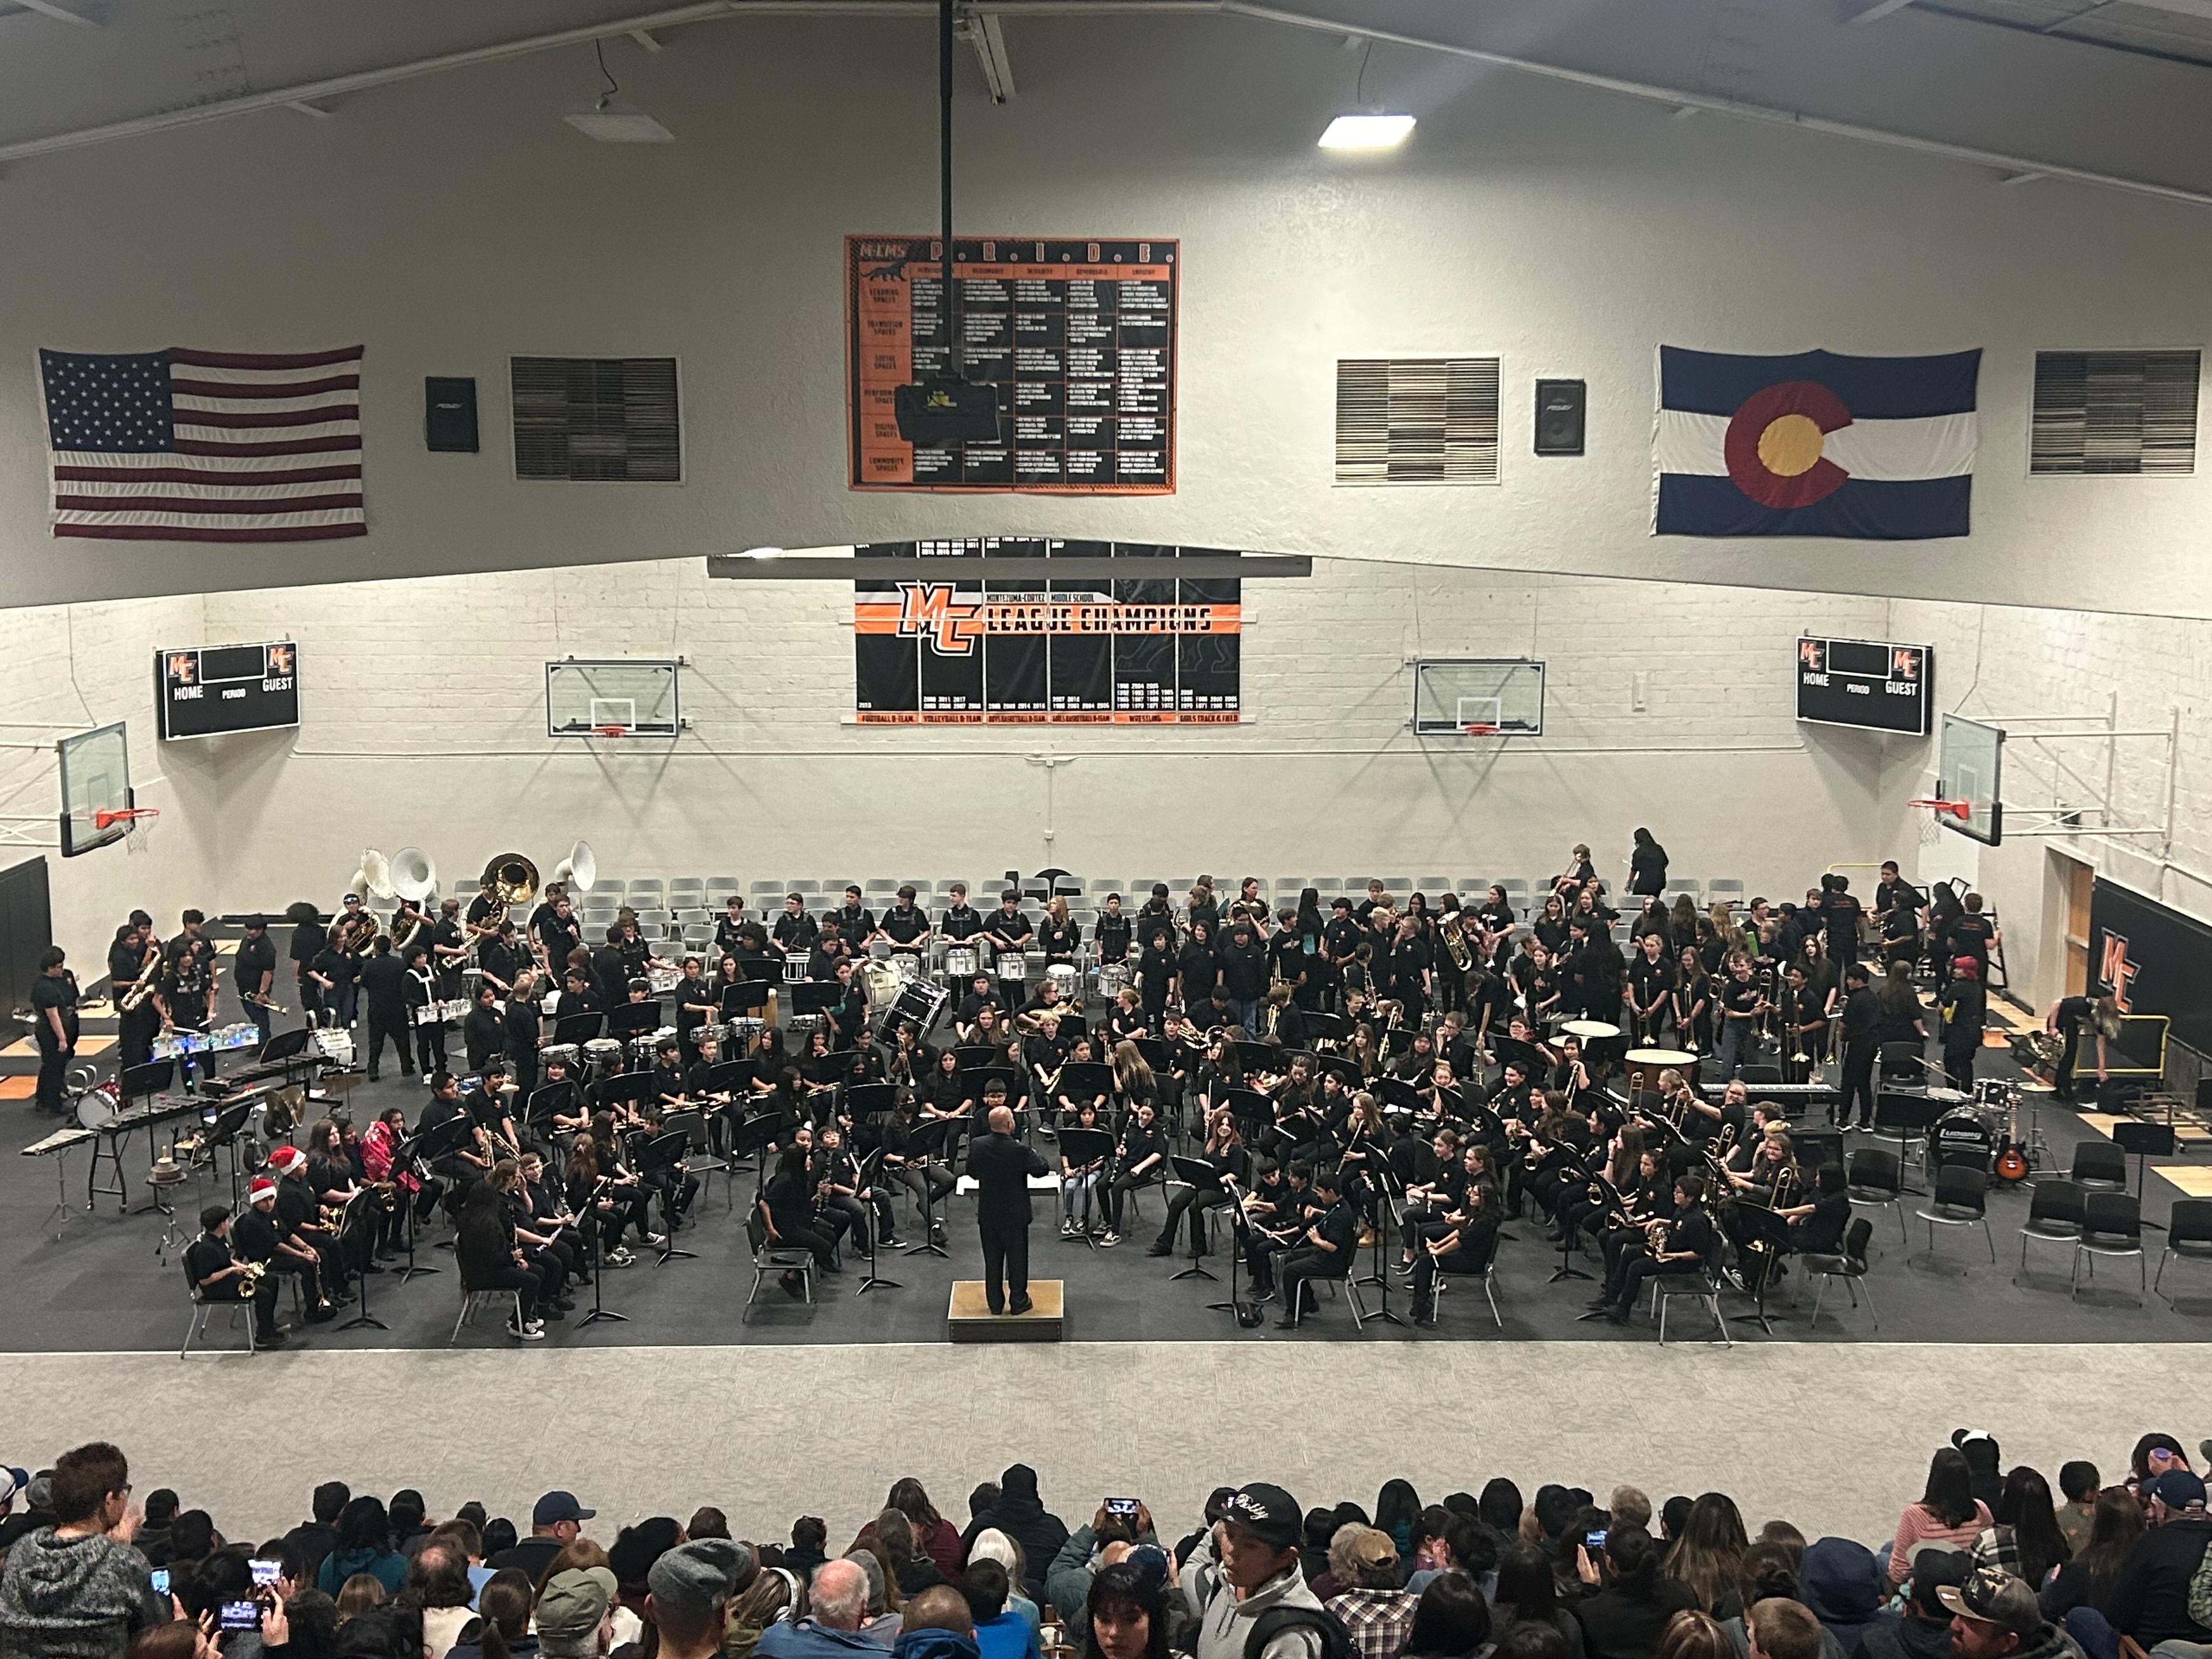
x=1468, y=696
x=1970, y=767
x=635, y=698
x=95, y=781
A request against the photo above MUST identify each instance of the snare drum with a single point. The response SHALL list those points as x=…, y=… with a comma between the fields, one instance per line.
x=1012, y=965
x=663, y=979
x=569, y=1053
x=1110, y=978
x=960, y=962
x=334, y=1043
x=794, y=968
x=1063, y=978
x=603, y=1055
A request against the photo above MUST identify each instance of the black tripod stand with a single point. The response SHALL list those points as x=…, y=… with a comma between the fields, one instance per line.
x=871, y=1174
x=413, y=1155
x=598, y=1224
x=357, y=1231
x=932, y=1242
x=660, y=1158
x=1247, y=1314
x=1204, y=1178
x=1378, y=1272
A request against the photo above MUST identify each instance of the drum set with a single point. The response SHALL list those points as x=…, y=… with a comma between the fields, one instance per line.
x=1984, y=1129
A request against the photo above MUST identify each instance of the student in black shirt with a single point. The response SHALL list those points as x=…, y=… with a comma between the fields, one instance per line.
x=211, y=1270
x=960, y=922
x=263, y=1235
x=1817, y=1228
x=1973, y=934
x=1690, y=1238
x=609, y=973
x=1058, y=933
x=2073, y=1018
x=483, y=1030
x=1198, y=968
x=186, y=991
x=133, y=950
x=301, y=1217
x=254, y=972
x=1651, y=989
x=729, y=926
x=1966, y=1014
x=1156, y=972
x=448, y=949
x=501, y=956
x=1140, y=1159
x=489, y=1258
x=1860, y=1020
x=384, y=988
x=906, y=925
x=559, y=933
x=332, y=975
x=1112, y=932
x=1841, y=914
x=308, y=939
x=1243, y=969
x=1324, y=1251
x=1008, y=929
x=519, y=1031
x=53, y=1005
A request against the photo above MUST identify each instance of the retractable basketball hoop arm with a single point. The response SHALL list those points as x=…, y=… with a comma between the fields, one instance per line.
x=2064, y=817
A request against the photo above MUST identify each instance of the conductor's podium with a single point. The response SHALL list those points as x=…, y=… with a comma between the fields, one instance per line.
x=969, y=1319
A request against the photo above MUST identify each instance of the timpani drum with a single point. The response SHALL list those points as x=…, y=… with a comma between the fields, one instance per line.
x=1644, y=1065
x=1589, y=1030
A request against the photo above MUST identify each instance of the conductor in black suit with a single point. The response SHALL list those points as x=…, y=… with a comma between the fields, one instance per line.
x=1002, y=1166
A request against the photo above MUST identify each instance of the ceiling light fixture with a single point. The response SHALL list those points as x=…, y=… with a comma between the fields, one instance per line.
x=1367, y=133
x=612, y=118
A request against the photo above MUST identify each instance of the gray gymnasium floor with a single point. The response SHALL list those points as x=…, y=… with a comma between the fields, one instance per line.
x=100, y=1285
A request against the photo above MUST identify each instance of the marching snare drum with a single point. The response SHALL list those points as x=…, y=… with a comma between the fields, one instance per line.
x=960, y=962
x=334, y=1043
x=1012, y=965
x=794, y=968
x=569, y=1053
x=905, y=967
x=663, y=979
x=1063, y=977
x=604, y=1054
x=1111, y=977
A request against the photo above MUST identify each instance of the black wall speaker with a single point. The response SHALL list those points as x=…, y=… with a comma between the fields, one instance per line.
x=449, y=413
x=1559, y=416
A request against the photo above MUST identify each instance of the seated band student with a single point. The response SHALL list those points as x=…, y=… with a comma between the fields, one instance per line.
x=219, y=1276
x=1816, y=1228
x=1225, y=1153
x=785, y=1205
x=1324, y=1251
x=1080, y=1207
x=1140, y=1158
x=490, y=1260
x=1467, y=1240
x=1689, y=1239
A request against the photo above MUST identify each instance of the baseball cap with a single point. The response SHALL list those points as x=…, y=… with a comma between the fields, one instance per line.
x=1994, y=1598
x=13, y=1483
x=558, y=1506
x=569, y=1610
x=1268, y=1513
x=2178, y=1489
x=1372, y=1547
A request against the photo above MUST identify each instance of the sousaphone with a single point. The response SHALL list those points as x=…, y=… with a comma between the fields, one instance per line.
x=576, y=872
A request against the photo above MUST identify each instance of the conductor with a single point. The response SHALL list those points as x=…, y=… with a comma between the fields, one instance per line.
x=1002, y=1166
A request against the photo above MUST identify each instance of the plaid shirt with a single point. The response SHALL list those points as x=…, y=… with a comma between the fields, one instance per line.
x=1380, y=1620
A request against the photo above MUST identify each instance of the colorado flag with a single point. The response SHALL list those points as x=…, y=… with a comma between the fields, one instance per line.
x=1881, y=448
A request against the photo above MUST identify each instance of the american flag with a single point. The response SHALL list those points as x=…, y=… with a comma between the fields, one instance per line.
x=204, y=445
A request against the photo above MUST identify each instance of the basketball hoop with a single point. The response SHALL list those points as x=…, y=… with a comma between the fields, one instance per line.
x=1478, y=729
x=610, y=730
x=1958, y=809
x=107, y=816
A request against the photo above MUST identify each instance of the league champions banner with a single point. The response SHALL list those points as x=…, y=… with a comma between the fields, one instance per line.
x=945, y=649
x=2151, y=958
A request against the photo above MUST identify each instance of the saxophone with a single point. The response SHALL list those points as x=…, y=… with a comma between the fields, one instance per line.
x=137, y=995
x=250, y=1281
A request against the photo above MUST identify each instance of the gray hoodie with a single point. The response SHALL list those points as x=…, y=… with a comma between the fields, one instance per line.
x=1225, y=1623
x=75, y=1597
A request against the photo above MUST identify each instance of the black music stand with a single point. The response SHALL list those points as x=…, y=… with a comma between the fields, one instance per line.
x=629, y=1019
x=1400, y=1095
x=1202, y=1178
x=1908, y=1115
x=1080, y=1147
x=661, y=1154
x=1087, y=1079
x=1379, y=1171
x=976, y=1056
x=574, y=1030
x=1769, y=1227
x=741, y=998
x=353, y=1227
x=1158, y=1052
x=2144, y=1142
x=1247, y=1314
x=932, y=1230
x=284, y=1046
x=871, y=1175
x=1322, y=1027
x=599, y=1309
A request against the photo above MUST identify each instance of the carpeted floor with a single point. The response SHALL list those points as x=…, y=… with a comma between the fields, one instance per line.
x=102, y=1285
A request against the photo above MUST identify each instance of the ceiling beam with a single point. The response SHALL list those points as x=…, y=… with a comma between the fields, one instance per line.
x=306, y=108
x=63, y=14
x=987, y=36
x=1871, y=11
x=1674, y=98
x=647, y=39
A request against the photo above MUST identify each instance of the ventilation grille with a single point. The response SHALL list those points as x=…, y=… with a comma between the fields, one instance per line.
x=1417, y=420
x=596, y=419
x=2115, y=412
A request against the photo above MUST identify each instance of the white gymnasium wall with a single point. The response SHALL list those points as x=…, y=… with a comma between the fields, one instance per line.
x=451, y=221
x=69, y=668
x=1997, y=661
x=423, y=721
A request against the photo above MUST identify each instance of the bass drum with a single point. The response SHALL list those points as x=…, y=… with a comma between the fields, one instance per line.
x=1962, y=1135
x=881, y=981
x=98, y=1106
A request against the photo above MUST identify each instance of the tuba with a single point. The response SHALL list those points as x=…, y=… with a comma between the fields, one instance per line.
x=510, y=879
x=1455, y=933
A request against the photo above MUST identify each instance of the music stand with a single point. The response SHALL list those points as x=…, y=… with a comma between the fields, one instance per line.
x=871, y=1174
x=1769, y=1227
x=976, y=1056
x=630, y=1019
x=1079, y=1147
x=661, y=1156
x=1345, y=1067
x=2144, y=1142
x=599, y=1309
x=813, y=996
x=1157, y=1054
x=1202, y=1178
x=284, y=1045
x=425, y=1147
x=1378, y=1171
x=741, y=996
x=1087, y=1080
x=354, y=1227
x=230, y=1124
x=576, y=1030
x=1397, y=1093
x=1325, y=1027
x=1511, y=1051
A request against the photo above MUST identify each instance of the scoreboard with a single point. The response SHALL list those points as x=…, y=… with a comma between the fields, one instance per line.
x=203, y=689
x=1077, y=337
x=1865, y=682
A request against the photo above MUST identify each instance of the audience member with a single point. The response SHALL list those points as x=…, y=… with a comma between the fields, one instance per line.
x=317, y=1537
x=2151, y=1600
x=1924, y=1630
x=839, y=1597
x=1450, y=1621
x=555, y=1521
x=1841, y=1581
x=1021, y=1514
x=363, y=1545
x=1363, y=1561
x=79, y=1588
x=1254, y=1551
x=574, y=1615
x=1948, y=1512
x=1627, y=1614
x=687, y=1595
x=999, y=1631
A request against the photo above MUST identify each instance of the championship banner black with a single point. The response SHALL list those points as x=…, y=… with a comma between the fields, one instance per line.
x=2152, y=960
x=948, y=649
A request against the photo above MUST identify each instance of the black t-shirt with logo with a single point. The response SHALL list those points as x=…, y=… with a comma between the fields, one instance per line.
x=57, y=992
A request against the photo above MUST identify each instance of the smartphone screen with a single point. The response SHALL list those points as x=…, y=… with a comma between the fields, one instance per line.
x=1594, y=1539
x=1121, y=1506
x=265, y=1572
x=240, y=1615
x=160, y=1580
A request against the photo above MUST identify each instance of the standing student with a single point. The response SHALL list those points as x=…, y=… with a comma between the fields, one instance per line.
x=1002, y=1166
x=254, y=970
x=384, y=985
x=1861, y=1021
x=53, y=1004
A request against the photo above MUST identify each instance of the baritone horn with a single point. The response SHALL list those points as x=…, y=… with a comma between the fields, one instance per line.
x=510, y=879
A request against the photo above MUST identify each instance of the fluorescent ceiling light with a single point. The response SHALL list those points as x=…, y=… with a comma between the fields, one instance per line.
x=611, y=120
x=1367, y=133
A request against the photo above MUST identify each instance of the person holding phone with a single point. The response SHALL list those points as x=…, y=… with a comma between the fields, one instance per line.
x=1625, y=1615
